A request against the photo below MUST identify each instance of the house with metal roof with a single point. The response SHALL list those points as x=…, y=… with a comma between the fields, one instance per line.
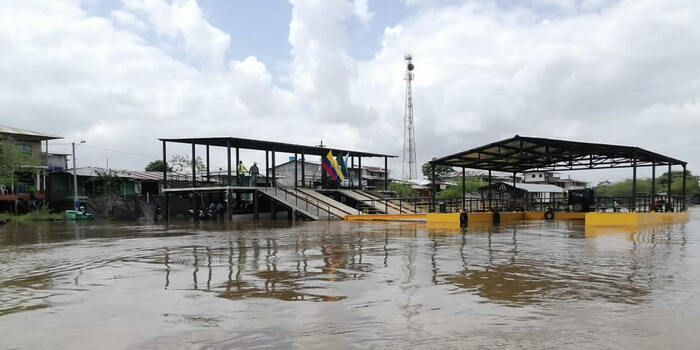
x=90, y=185
x=29, y=182
x=523, y=193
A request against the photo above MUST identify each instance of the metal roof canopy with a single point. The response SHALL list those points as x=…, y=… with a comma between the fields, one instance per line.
x=522, y=154
x=261, y=145
x=27, y=134
x=527, y=187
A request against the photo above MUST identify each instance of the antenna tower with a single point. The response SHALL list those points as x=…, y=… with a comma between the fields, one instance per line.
x=410, y=169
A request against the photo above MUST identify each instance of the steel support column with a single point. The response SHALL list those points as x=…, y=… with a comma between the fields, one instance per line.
x=195, y=202
x=464, y=189
x=668, y=193
x=303, y=172
x=653, y=181
x=296, y=170
x=274, y=173
x=386, y=173
x=228, y=163
x=683, y=193
x=359, y=171
x=256, y=200
x=489, y=195
x=165, y=184
x=267, y=168
x=238, y=166
x=352, y=166
x=634, y=185
x=194, y=167
x=433, y=192
x=208, y=172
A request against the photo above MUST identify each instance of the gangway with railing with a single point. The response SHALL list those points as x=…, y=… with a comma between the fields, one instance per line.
x=308, y=202
x=376, y=203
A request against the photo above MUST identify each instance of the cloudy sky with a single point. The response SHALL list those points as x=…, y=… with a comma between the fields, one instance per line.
x=122, y=73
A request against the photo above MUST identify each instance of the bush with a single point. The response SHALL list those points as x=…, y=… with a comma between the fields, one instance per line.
x=403, y=190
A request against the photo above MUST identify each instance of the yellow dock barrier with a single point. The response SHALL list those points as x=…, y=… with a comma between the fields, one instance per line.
x=591, y=219
x=387, y=217
x=634, y=219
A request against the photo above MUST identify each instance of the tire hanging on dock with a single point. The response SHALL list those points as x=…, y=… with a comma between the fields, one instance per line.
x=463, y=219
x=496, y=216
x=549, y=215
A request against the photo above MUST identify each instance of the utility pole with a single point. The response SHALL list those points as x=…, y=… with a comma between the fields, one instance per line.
x=75, y=179
x=410, y=168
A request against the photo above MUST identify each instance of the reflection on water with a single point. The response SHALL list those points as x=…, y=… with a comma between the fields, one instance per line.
x=387, y=283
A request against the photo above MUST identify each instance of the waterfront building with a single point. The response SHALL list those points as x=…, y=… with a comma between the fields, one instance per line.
x=30, y=183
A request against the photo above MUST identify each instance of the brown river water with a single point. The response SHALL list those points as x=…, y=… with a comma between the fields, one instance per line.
x=322, y=285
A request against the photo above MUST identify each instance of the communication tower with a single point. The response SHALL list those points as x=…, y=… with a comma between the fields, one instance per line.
x=410, y=168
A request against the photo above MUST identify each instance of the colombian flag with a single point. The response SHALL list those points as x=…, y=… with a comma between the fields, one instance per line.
x=331, y=167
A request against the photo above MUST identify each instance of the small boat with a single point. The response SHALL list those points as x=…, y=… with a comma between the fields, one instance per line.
x=78, y=215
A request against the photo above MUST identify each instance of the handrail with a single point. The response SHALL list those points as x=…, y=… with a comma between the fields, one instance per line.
x=639, y=203
x=307, y=199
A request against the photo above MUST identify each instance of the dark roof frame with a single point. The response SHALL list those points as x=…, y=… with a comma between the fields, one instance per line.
x=260, y=145
x=522, y=154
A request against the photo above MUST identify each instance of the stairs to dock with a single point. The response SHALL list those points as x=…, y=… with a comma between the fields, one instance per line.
x=308, y=202
x=374, y=203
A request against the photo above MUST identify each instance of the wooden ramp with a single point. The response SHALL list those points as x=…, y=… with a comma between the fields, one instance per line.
x=377, y=203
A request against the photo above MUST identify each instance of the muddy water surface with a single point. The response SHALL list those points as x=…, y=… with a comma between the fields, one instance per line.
x=531, y=284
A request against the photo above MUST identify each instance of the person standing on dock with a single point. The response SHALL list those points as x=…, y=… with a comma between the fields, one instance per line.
x=241, y=168
x=254, y=172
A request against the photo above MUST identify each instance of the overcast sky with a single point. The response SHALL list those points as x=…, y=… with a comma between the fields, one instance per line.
x=120, y=74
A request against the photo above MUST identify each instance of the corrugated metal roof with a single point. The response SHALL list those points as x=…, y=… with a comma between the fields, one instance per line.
x=521, y=153
x=27, y=133
x=261, y=145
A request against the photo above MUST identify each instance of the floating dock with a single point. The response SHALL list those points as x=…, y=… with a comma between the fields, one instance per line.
x=590, y=219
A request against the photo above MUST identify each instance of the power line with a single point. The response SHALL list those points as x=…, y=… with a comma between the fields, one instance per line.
x=118, y=151
x=108, y=149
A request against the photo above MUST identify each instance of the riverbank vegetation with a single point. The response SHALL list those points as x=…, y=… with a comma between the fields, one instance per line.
x=455, y=190
x=42, y=213
x=624, y=187
x=403, y=190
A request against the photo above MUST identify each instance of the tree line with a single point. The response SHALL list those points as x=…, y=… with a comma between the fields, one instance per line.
x=624, y=187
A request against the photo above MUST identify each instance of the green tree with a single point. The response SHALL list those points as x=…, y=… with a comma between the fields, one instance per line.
x=454, y=191
x=157, y=165
x=181, y=164
x=107, y=183
x=403, y=190
x=676, y=176
x=13, y=161
x=624, y=188
x=440, y=170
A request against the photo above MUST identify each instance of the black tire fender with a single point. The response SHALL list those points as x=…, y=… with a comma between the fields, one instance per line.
x=549, y=215
x=496, y=217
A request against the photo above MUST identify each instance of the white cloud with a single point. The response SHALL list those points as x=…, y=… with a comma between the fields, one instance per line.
x=128, y=20
x=485, y=72
x=182, y=19
x=361, y=10
x=621, y=72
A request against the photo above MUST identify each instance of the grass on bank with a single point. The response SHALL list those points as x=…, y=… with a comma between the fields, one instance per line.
x=40, y=214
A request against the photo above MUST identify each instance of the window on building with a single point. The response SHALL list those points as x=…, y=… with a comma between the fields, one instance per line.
x=24, y=149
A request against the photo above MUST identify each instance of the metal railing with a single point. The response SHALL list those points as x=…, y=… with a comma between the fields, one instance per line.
x=305, y=199
x=640, y=203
